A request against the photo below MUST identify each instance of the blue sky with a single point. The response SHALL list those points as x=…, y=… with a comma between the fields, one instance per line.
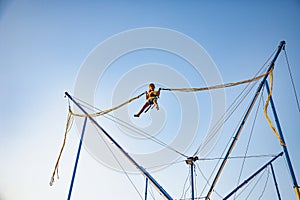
x=44, y=44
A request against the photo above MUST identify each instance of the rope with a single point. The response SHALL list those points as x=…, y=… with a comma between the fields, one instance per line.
x=164, y=165
x=266, y=111
x=256, y=183
x=68, y=126
x=226, y=116
x=118, y=161
x=207, y=182
x=265, y=185
x=183, y=190
x=216, y=86
x=239, y=157
x=144, y=134
x=292, y=80
x=248, y=144
x=131, y=128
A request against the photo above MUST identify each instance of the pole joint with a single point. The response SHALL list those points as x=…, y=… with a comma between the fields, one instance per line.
x=191, y=160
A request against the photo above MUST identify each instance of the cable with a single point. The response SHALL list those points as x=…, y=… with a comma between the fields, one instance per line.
x=237, y=157
x=265, y=186
x=232, y=135
x=292, y=80
x=248, y=143
x=228, y=113
x=132, y=128
x=183, y=191
x=207, y=181
x=144, y=134
x=223, y=119
x=230, y=110
x=255, y=185
x=215, y=167
x=117, y=160
x=162, y=165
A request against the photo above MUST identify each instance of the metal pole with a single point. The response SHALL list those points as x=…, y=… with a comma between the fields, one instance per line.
x=252, y=176
x=146, y=189
x=237, y=134
x=190, y=161
x=192, y=180
x=143, y=171
x=77, y=159
x=275, y=181
x=286, y=153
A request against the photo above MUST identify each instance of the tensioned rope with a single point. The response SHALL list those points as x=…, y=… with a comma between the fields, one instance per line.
x=292, y=79
x=119, y=163
x=215, y=86
x=248, y=144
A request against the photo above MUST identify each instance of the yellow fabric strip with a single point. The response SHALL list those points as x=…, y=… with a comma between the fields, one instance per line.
x=297, y=192
x=68, y=126
x=266, y=111
x=215, y=86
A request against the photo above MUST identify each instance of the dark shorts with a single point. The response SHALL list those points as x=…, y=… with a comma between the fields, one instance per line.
x=151, y=100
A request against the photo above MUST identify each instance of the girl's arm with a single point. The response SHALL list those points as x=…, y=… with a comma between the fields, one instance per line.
x=158, y=92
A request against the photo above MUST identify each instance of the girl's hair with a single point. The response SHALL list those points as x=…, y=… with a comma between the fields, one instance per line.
x=152, y=85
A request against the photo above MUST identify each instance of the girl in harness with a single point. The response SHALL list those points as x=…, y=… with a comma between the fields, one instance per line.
x=151, y=97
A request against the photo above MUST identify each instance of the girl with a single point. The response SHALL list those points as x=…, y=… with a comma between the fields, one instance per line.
x=151, y=97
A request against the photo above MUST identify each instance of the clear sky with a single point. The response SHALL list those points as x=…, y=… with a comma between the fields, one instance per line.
x=43, y=46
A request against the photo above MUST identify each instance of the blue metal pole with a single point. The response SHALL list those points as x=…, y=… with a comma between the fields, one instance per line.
x=192, y=180
x=146, y=189
x=286, y=153
x=190, y=161
x=77, y=159
x=275, y=181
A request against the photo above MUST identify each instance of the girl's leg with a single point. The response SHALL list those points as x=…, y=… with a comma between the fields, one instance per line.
x=142, y=110
x=156, y=105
